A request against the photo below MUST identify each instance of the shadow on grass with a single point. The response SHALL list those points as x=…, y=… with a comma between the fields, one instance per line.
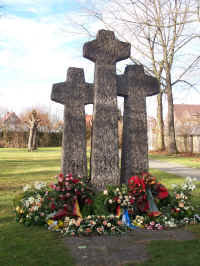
x=32, y=174
x=20, y=245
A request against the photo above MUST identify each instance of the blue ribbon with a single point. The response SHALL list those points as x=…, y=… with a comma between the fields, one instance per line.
x=126, y=219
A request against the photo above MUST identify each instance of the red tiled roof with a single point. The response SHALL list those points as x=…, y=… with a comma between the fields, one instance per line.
x=182, y=111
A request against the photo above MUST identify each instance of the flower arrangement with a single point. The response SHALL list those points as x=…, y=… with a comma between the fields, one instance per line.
x=181, y=205
x=117, y=198
x=100, y=225
x=40, y=202
x=143, y=203
x=31, y=207
x=145, y=189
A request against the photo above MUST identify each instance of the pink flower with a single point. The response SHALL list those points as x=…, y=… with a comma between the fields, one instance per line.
x=149, y=227
x=152, y=223
x=160, y=227
x=52, y=185
x=60, y=179
x=68, y=195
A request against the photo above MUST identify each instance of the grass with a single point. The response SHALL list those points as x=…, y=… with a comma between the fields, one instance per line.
x=19, y=245
x=35, y=246
x=184, y=159
x=176, y=253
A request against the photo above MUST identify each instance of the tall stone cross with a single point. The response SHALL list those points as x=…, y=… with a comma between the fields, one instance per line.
x=105, y=51
x=135, y=86
x=74, y=94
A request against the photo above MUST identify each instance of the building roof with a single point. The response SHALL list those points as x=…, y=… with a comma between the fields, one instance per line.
x=11, y=118
x=182, y=111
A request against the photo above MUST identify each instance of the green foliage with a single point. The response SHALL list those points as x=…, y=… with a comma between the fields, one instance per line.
x=99, y=206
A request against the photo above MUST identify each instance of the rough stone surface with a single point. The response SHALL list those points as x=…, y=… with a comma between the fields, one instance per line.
x=74, y=94
x=135, y=86
x=105, y=51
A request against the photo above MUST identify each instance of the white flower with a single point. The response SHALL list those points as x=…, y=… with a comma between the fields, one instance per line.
x=110, y=201
x=39, y=184
x=117, y=189
x=31, y=200
x=105, y=192
x=27, y=187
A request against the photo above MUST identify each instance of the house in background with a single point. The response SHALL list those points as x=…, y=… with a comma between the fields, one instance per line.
x=11, y=122
x=187, y=127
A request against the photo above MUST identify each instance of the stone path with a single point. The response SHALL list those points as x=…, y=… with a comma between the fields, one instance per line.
x=174, y=168
x=119, y=250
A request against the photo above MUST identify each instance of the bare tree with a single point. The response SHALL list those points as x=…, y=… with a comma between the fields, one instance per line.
x=159, y=32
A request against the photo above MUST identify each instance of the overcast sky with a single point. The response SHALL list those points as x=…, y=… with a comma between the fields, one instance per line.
x=36, y=48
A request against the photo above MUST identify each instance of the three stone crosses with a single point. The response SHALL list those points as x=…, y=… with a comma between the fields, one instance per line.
x=75, y=93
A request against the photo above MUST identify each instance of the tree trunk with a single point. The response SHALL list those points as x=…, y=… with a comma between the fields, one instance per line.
x=34, y=143
x=160, y=133
x=171, y=140
x=30, y=139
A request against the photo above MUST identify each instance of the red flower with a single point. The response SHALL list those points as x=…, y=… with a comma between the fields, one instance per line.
x=143, y=184
x=162, y=192
x=154, y=214
x=53, y=206
x=131, y=200
x=136, y=179
x=60, y=214
x=75, y=181
x=88, y=201
x=115, y=198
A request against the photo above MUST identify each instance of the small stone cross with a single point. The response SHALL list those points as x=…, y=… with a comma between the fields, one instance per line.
x=105, y=51
x=135, y=86
x=74, y=94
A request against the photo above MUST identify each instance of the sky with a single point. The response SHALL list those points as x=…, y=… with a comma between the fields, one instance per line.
x=37, y=45
x=36, y=49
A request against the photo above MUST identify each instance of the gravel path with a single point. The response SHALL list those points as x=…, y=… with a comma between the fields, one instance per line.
x=174, y=168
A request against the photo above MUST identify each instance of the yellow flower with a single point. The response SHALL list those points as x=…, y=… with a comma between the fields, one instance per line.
x=21, y=211
x=17, y=209
x=60, y=223
x=49, y=222
x=56, y=227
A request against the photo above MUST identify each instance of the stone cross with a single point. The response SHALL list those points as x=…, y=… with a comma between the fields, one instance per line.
x=74, y=94
x=105, y=51
x=135, y=86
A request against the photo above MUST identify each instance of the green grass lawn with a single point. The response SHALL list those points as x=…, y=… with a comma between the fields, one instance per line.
x=19, y=245
x=35, y=246
x=193, y=161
